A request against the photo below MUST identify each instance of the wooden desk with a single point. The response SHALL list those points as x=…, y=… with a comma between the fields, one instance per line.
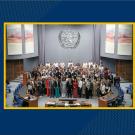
x=33, y=102
x=50, y=103
x=63, y=103
x=85, y=104
x=102, y=103
x=70, y=100
x=110, y=97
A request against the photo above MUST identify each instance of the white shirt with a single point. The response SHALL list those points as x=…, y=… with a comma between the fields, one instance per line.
x=85, y=65
x=80, y=84
x=62, y=65
x=47, y=64
x=83, y=76
x=70, y=63
x=29, y=87
x=103, y=89
x=90, y=63
x=56, y=64
x=96, y=75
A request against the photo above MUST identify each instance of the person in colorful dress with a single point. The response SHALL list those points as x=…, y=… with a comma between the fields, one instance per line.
x=47, y=84
x=75, y=88
x=57, y=88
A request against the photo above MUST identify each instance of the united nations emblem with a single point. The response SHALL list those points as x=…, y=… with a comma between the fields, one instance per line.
x=69, y=38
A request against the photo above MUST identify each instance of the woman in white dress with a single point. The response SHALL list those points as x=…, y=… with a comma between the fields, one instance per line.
x=63, y=87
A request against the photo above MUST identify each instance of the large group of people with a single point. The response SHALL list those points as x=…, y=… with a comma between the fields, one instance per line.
x=56, y=80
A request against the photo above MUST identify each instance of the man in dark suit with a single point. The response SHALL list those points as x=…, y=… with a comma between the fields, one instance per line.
x=69, y=87
x=58, y=74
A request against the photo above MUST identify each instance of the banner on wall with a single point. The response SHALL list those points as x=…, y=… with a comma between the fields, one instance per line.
x=14, y=39
x=124, y=39
x=110, y=35
x=29, y=38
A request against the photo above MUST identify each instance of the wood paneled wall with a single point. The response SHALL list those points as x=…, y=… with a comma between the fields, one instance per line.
x=124, y=68
x=13, y=69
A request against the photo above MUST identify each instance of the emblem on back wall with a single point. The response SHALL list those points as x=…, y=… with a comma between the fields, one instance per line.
x=69, y=38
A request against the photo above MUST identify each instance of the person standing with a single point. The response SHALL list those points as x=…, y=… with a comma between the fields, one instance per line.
x=52, y=87
x=117, y=81
x=75, y=88
x=87, y=89
x=80, y=87
x=91, y=89
x=69, y=87
x=83, y=87
x=102, y=88
x=57, y=89
x=47, y=87
x=95, y=83
x=43, y=86
x=39, y=86
x=63, y=87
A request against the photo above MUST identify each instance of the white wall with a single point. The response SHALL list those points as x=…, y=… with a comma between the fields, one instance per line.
x=54, y=51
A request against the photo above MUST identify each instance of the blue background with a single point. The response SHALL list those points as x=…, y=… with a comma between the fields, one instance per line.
x=51, y=122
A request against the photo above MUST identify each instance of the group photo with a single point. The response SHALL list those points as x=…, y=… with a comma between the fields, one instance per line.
x=68, y=65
